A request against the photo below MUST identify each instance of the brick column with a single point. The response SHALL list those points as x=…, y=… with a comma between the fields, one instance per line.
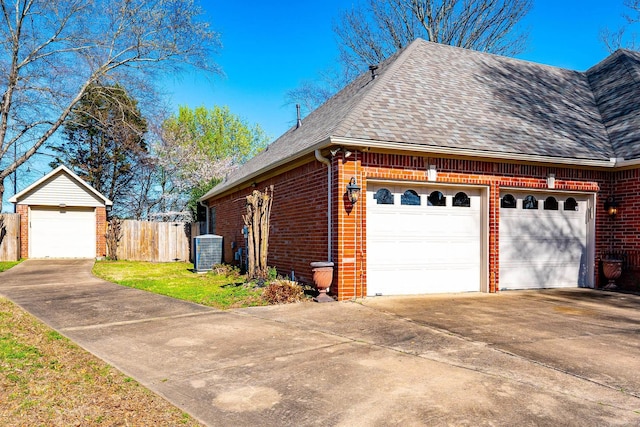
x=101, y=231
x=23, y=210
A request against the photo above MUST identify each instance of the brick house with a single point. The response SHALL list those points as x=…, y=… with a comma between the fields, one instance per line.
x=477, y=173
x=61, y=216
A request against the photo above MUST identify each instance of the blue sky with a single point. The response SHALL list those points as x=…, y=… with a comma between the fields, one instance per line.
x=270, y=47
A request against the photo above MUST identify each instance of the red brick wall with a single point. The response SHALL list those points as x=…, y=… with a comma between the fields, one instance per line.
x=621, y=235
x=101, y=231
x=298, y=233
x=299, y=213
x=23, y=210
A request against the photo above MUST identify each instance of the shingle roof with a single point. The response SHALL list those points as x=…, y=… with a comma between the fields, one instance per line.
x=433, y=95
x=616, y=87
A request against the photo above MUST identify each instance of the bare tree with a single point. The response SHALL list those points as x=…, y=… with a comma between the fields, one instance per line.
x=51, y=52
x=624, y=36
x=257, y=221
x=371, y=32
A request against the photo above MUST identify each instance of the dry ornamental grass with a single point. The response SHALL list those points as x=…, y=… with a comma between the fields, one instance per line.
x=46, y=380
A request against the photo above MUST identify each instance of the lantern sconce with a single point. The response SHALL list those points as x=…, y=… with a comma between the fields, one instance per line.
x=611, y=207
x=353, y=190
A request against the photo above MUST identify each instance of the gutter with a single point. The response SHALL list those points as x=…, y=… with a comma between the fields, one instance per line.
x=206, y=209
x=489, y=155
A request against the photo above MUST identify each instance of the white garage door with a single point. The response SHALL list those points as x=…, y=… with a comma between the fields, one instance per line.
x=543, y=240
x=62, y=232
x=422, y=239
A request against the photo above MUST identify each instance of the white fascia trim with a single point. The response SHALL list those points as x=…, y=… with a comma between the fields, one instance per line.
x=365, y=143
x=624, y=163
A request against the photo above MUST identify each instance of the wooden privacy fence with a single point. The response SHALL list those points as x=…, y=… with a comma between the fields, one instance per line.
x=9, y=237
x=154, y=241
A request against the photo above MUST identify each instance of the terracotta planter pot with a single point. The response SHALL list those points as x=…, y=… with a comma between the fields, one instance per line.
x=322, y=278
x=612, y=269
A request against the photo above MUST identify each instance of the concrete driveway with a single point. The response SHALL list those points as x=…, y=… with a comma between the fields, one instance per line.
x=515, y=358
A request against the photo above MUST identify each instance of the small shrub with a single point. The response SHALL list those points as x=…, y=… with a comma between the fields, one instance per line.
x=283, y=291
x=226, y=270
x=272, y=274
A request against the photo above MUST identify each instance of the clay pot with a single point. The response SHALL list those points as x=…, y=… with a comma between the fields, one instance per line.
x=612, y=269
x=322, y=278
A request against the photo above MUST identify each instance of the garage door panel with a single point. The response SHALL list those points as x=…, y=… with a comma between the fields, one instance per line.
x=407, y=280
x=552, y=275
x=422, y=249
x=62, y=232
x=543, y=248
x=415, y=251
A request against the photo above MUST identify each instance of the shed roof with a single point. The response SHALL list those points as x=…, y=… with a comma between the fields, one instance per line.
x=438, y=98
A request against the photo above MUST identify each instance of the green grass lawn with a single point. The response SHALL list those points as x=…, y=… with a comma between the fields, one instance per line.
x=5, y=265
x=177, y=280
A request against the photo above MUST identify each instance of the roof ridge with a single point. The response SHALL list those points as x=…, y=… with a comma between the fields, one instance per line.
x=635, y=75
x=393, y=63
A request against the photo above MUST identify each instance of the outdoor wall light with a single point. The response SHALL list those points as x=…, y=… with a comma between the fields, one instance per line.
x=353, y=190
x=611, y=206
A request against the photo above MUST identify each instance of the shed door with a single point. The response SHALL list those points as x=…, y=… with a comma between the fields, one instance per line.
x=423, y=239
x=62, y=232
x=543, y=240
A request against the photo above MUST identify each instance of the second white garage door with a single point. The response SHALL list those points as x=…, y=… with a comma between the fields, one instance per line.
x=543, y=240
x=62, y=232
x=423, y=239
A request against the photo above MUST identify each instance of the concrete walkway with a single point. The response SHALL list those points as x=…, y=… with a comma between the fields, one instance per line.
x=531, y=358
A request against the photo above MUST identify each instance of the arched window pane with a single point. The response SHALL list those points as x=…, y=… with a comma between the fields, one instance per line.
x=383, y=197
x=570, y=204
x=462, y=200
x=529, y=202
x=550, y=204
x=436, y=198
x=411, y=198
x=508, y=202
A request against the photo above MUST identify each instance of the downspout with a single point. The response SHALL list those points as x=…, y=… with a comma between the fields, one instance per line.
x=327, y=162
x=206, y=209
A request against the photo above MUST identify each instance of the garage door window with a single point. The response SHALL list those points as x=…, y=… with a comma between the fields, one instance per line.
x=436, y=198
x=461, y=200
x=550, y=204
x=383, y=197
x=508, y=202
x=529, y=202
x=410, y=198
x=570, y=204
